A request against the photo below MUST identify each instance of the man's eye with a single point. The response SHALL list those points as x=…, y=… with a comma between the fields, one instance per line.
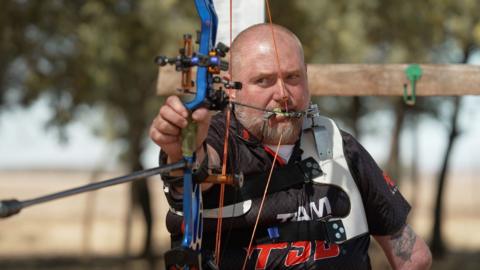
x=293, y=77
x=263, y=81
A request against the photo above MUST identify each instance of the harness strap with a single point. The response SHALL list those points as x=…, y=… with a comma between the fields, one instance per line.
x=331, y=231
x=283, y=178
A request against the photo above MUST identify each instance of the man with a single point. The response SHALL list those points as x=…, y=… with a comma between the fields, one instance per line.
x=323, y=221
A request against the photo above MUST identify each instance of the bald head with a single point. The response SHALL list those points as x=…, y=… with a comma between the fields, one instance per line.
x=260, y=37
x=273, y=74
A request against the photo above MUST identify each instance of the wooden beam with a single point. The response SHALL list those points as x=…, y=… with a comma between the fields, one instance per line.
x=370, y=80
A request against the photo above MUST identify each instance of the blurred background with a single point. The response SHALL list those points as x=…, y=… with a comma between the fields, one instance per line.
x=77, y=83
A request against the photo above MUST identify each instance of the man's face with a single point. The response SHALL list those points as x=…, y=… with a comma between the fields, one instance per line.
x=264, y=87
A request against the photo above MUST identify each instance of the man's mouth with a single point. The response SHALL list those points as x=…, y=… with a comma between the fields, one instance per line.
x=281, y=114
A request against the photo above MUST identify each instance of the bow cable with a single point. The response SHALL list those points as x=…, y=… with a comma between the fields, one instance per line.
x=277, y=58
x=218, y=237
x=261, y=203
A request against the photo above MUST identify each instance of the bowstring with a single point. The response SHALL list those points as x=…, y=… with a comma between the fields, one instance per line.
x=277, y=57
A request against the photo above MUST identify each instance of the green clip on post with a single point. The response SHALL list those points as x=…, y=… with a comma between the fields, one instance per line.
x=414, y=73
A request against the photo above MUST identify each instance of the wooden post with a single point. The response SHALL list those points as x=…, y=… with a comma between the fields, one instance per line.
x=370, y=80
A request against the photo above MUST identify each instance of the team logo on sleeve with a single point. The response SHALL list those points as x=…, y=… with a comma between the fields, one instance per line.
x=391, y=185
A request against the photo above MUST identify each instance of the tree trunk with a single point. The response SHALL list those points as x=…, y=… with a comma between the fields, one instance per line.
x=139, y=193
x=140, y=197
x=394, y=157
x=437, y=244
x=356, y=106
x=414, y=165
x=88, y=216
x=139, y=190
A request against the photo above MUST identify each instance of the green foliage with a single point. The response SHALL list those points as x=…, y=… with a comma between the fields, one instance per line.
x=90, y=55
x=387, y=31
x=381, y=31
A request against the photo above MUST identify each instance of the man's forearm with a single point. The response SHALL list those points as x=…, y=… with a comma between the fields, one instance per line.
x=405, y=250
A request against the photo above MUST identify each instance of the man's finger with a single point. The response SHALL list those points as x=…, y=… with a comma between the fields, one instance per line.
x=162, y=138
x=170, y=115
x=201, y=115
x=167, y=128
x=176, y=104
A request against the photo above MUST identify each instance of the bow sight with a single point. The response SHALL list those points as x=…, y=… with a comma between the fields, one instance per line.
x=216, y=99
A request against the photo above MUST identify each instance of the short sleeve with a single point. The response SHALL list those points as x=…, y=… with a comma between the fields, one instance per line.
x=385, y=207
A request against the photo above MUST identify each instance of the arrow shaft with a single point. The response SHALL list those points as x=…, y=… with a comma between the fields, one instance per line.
x=103, y=184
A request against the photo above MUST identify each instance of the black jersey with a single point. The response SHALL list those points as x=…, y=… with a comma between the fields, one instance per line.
x=385, y=208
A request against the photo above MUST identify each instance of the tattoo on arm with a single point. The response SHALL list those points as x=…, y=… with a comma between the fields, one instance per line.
x=403, y=243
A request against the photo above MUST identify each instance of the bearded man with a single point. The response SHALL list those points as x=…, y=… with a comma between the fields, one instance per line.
x=327, y=195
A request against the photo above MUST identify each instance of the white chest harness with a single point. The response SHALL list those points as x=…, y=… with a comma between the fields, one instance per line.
x=322, y=141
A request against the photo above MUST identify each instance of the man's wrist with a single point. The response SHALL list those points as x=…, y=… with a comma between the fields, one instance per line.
x=171, y=176
x=173, y=158
x=200, y=167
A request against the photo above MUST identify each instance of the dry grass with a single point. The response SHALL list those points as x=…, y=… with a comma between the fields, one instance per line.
x=52, y=236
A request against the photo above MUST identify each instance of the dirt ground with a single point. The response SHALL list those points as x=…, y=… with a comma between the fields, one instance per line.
x=58, y=235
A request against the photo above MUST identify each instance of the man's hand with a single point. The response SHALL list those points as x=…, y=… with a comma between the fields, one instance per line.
x=166, y=128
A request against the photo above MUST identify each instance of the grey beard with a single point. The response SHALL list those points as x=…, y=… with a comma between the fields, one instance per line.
x=289, y=130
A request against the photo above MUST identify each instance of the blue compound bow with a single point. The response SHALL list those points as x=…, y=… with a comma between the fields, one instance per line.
x=209, y=64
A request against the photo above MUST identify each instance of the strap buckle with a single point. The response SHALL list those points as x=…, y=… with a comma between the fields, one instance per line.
x=334, y=230
x=273, y=233
x=310, y=168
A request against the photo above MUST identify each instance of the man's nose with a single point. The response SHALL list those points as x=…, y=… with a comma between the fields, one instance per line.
x=281, y=93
